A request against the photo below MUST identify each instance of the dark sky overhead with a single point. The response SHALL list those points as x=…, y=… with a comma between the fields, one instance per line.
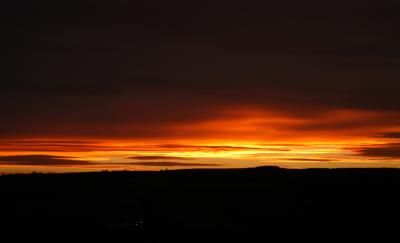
x=118, y=73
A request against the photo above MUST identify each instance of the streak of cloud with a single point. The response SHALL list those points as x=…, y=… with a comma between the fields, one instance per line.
x=155, y=157
x=309, y=159
x=169, y=164
x=391, y=150
x=42, y=160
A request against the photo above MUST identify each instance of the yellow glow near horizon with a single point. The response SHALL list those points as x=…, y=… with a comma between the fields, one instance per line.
x=243, y=137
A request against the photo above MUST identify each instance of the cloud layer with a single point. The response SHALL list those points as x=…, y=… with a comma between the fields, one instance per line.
x=41, y=160
x=83, y=78
x=119, y=69
x=158, y=157
x=391, y=150
x=170, y=164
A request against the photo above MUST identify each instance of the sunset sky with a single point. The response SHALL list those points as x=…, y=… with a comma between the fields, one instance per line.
x=115, y=84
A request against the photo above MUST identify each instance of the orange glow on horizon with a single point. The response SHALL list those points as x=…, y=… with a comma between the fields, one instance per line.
x=240, y=138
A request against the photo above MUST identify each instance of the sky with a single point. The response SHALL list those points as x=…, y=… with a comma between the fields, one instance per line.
x=147, y=85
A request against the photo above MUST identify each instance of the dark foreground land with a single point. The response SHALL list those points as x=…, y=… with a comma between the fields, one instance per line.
x=249, y=205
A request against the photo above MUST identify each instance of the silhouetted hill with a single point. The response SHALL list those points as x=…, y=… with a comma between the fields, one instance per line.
x=265, y=204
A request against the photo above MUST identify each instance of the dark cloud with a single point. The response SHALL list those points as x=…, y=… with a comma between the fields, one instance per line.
x=50, y=160
x=52, y=146
x=347, y=120
x=90, y=146
x=391, y=150
x=132, y=69
x=170, y=164
x=41, y=160
x=155, y=157
x=390, y=135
